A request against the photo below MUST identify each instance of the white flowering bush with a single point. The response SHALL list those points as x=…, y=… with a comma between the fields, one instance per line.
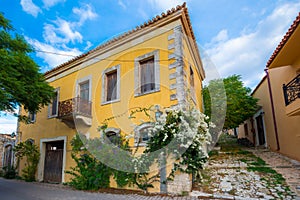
x=183, y=134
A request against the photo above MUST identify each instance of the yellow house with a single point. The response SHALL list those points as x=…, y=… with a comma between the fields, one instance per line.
x=156, y=64
x=277, y=123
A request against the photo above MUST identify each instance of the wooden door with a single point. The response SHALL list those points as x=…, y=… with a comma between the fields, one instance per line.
x=53, y=162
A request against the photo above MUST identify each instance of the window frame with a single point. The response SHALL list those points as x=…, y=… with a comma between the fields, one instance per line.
x=32, y=117
x=106, y=72
x=50, y=115
x=137, y=135
x=137, y=73
x=192, y=84
x=81, y=81
x=116, y=132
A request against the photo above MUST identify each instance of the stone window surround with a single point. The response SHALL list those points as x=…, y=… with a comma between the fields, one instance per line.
x=104, y=84
x=82, y=80
x=58, y=94
x=260, y=112
x=30, y=118
x=115, y=130
x=137, y=133
x=137, y=72
x=192, y=88
x=41, y=165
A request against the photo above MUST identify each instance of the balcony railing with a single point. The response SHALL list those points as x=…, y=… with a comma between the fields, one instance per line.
x=75, y=106
x=291, y=90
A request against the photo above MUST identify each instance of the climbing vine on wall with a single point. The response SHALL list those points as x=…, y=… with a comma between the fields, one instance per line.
x=180, y=134
x=30, y=152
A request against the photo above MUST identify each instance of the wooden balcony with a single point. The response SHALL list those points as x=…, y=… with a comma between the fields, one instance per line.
x=291, y=93
x=75, y=112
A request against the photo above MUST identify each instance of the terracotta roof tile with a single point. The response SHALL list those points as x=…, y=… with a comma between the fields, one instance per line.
x=145, y=24
x=284, y=39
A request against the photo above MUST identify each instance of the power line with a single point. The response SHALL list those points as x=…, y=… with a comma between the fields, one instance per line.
x=99, y=59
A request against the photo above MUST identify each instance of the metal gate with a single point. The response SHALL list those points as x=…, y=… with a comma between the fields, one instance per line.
x=53, y=162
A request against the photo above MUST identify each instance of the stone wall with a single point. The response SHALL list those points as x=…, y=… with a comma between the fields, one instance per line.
x=182, y=183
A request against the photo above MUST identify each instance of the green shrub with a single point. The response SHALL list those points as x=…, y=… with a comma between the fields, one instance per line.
x=9, y=172
x=31, y=153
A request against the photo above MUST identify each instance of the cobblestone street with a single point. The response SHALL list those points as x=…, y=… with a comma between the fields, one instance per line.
x=290, y=169
x=236, y=172
x=233, y=172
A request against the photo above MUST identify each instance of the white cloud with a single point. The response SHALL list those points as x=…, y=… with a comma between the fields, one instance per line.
x=143, y=14
x=165, y=5
x=222, y=36
x=8, y=123
x=51, y=3
x=88, y=45
x=122, y=4
x=61, y=33
x=85, y=13
x=248, y=53
x=29, y=7
x=53, y=56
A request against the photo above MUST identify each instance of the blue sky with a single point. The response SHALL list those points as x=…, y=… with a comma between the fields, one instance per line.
x=238, y=36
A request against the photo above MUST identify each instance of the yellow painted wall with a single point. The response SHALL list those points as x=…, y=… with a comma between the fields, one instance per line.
x=53, y=127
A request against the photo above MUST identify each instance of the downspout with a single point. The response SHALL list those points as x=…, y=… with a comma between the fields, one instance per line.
x=273, y=110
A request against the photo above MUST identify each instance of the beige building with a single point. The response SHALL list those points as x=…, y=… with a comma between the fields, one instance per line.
x=276, y=124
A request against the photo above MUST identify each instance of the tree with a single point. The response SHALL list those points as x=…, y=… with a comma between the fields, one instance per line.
x=239, y=102
x=21, y=83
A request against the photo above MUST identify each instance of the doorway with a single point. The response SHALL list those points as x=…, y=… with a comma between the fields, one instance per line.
x=260, y=130
x=53, y=164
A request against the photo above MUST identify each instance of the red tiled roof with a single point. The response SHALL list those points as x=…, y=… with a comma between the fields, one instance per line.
x=285, y=39
x=142, y=26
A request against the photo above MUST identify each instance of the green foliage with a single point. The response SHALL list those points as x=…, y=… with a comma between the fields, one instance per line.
x=31, y=153
x=9, y=172
x=89, y=173
x=21, y=82
x=185, y=129
x=240, y=104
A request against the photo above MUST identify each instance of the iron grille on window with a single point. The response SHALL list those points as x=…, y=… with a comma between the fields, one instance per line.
x=291, y=91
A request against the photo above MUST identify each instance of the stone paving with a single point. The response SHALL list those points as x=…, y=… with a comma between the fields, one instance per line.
x=229, y=176
x=290, y=169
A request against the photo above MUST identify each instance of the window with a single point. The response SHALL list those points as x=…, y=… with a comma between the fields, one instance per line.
x=111, y=79
x=192, y=84
x=146, y=70
x=53, y=106
x=111, y=85
x=113, y=137
x=147, y=75
x=84, y=90
x=30, y=141
x=142, y=134
x=31, y=117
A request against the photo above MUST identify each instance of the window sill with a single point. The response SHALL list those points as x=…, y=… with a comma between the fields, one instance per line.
x=145, y=93
x=52, y=116
x=140, y=144
x=110, y=102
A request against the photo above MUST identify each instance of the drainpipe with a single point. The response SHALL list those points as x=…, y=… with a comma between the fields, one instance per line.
x=273, y=110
